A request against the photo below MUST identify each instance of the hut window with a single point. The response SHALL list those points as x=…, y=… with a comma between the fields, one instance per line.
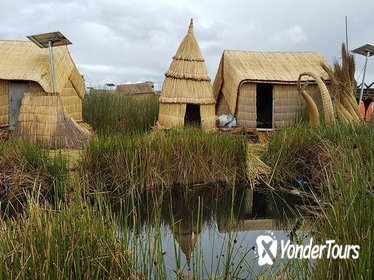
x=264, y=105
x=192, y=116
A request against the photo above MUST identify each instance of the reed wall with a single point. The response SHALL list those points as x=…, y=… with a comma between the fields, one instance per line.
x=288, y=103
x=208, y=116
x=222, y=106
x=246, y=113
x=71, y=101
x=4, y=102
x=171, y=115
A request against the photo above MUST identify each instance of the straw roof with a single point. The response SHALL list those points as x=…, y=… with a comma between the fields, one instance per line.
x=237, y=67
x=43, y=119
x=138, y=88
x=20, y=60
x=187, y=80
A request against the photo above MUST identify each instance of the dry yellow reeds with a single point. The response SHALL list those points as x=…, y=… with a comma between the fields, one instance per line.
x=310, y=105
x=343, y=83
x=43, y=119
x=339, y=101
x=328, y=109
x=312, y=109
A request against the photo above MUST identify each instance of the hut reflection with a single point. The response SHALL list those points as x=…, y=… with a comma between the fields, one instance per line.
x=188, y=211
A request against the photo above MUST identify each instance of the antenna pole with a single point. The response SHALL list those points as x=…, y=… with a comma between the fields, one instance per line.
x=52, y=66
x=346, y=34
x=363, y=78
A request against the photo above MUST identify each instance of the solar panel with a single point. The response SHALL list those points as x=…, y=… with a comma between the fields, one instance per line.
x=56, y=38
x=364, y=50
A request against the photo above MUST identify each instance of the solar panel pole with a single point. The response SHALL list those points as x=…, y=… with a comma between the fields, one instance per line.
x=50, y=43
x=50, y=40
x=363, y=78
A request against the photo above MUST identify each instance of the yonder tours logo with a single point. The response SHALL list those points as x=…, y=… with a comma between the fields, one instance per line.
x=267, y=249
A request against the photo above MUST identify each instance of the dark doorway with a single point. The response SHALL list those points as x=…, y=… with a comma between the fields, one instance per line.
x=16, y=92
x=192, y=116
x=264, y=105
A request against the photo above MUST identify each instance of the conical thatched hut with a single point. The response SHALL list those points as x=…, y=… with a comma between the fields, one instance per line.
x=186, y=95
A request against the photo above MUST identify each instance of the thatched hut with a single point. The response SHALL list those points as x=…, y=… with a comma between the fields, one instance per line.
x=186, y=95
x=24, y=67
x=26, y=102
x=137, y=89
x=259, y=88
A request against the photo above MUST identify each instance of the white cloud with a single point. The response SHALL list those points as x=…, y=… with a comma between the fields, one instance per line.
x=131, y=40
x=293, y=34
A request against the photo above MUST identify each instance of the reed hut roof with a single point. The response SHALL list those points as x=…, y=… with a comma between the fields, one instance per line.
x=238, y=67
x=187, y=80
x=138, y=88
x=21, y=60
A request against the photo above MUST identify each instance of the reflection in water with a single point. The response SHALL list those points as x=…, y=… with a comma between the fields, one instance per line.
x=210, y=224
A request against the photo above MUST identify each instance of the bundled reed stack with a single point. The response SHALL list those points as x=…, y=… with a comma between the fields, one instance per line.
x=42, y=119
x=338, y=101
x=187, y=92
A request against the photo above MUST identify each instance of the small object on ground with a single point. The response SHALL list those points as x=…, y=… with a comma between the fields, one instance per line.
x=226, y=121
x=295, y=192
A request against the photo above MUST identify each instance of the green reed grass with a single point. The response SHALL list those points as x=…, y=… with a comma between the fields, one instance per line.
x=118, y=163
x=67, y=243
x=26, y=167
x=300, y=152
x=336, y=164
x=349, y=215
x=114, y=113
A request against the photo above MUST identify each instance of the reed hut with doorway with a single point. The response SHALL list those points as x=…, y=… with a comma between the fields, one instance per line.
x=26, y=102
x=186, y=94
x=24, y=67
x=259, y=88
x=137, y=89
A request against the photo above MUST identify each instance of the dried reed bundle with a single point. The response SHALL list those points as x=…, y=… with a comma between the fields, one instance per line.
x=312, y=109
x=343, y=83
x=340, y=100
x=310, y=105
x=328, y=109
x=43, y=119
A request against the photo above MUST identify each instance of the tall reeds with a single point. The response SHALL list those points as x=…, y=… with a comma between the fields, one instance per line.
x=347, y=216
x=332, y=165
x=27, y=167
x=116, y=113
x=71, y=242
x=164, y=159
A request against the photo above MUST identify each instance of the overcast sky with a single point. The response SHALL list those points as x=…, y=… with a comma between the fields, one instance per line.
x=128, y=40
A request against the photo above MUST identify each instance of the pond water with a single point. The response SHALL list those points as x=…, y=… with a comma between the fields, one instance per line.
x=208, y=232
